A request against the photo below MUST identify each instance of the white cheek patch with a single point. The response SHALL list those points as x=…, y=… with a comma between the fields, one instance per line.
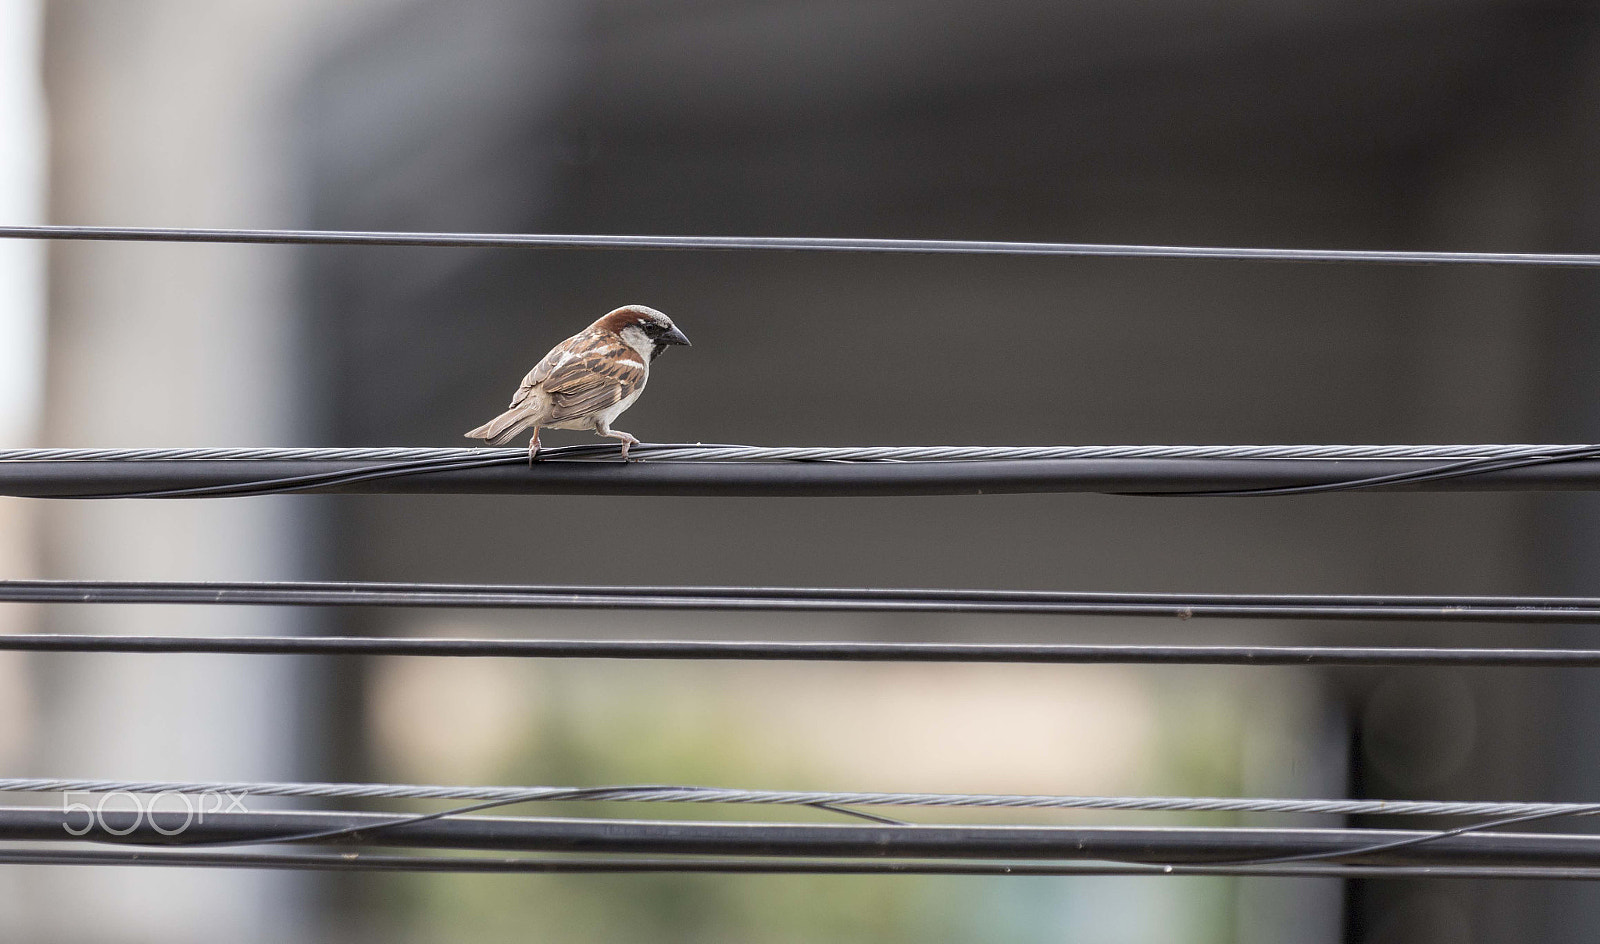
x=635, y=338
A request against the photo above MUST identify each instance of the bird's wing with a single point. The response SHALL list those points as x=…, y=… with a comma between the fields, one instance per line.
x=566, y=352
x=599, y=373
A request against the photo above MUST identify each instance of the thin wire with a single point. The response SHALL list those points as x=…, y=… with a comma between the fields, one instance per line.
x=1541, y=609
x=763, y=650
x=858, y=814
x=309, y=481
x=786, y=243
x=362, y=830
x=1454, y=470
x=359, y=861
x=1410, y=842
x=722, y=795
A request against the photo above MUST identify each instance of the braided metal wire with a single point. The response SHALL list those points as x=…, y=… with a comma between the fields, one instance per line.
x=691, y=794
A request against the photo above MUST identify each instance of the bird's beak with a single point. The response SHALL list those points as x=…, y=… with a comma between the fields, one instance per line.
x=674, y=337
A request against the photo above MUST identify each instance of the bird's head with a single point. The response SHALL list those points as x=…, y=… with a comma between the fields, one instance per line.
x=644, y=329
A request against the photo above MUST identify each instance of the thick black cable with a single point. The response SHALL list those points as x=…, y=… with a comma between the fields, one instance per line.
x=1575, y=467
x=365, y=862
x=365, y=832
x=768, y=651
x=1442, y=608
x=1151, y=845
x=799, y=243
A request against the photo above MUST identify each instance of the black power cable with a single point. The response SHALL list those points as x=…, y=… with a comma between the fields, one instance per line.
x=1150, y=845
x=365, y=862
x=1571, y=467
x=1391, y=607
x=767, y=651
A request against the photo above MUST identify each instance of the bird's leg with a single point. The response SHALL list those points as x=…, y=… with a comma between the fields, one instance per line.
x=604, y=429
x=533, y=446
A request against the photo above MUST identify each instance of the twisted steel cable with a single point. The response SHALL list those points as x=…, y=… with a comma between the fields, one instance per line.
x=697, y=794
x=367, y=828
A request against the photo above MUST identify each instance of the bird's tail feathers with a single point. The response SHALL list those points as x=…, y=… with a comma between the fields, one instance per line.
x=505, y=427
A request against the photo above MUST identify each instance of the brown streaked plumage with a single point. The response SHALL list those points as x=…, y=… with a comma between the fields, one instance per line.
x=588, y=380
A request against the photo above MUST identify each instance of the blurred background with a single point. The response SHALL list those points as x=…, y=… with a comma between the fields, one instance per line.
x=1427, y=124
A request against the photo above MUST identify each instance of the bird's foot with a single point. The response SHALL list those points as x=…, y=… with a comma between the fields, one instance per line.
x=627, y=439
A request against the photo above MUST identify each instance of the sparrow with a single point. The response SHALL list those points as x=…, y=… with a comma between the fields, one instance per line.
x=586, y=381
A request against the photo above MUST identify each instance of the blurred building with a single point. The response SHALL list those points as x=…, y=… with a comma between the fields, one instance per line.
x=172, y=112
x=22, y=280
x=1408, y=124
